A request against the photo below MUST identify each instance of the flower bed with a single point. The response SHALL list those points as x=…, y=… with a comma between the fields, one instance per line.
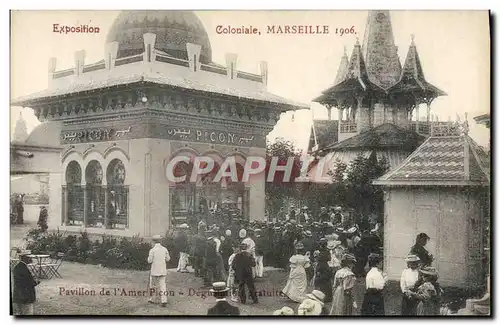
x=124, y=253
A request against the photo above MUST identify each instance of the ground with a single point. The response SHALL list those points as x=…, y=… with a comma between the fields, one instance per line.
x=186, y=292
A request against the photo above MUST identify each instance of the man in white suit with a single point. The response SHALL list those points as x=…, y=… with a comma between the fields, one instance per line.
x=158, y=258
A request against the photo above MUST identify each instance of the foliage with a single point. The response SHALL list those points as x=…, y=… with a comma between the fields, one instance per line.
x=109, y=252
x=361, y=195
x=278, y=190
x=351, y=188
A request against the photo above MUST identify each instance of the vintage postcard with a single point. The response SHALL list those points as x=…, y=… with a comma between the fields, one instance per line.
x=326, y=163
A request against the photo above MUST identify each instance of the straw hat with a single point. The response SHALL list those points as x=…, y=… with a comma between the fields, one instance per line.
x=310, y=307
x=219, y=287
x=334, y=244
x=156, y=238
x=243, y=233
x=285, y=311
x=308, y=233
x=184, y=226
x=316, y=295
x=299, y=245
x=412, y=258
x=228, y=233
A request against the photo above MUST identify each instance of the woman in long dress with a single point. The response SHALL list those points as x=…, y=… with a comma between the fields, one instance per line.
x=296, y=286
x=428, y=294
x=409, y=278
x=373, y=301
x=343, y=284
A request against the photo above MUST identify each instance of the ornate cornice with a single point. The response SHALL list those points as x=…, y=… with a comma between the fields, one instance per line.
x=104, y=103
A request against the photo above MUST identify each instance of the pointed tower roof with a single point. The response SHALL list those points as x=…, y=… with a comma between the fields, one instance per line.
x=379, y=51
x=356, y=80
x=412, y=78
x=343, y=67
x=20, y=131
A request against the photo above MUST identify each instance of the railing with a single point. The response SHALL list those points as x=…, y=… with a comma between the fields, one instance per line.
x=438, y=128
x=348, y=127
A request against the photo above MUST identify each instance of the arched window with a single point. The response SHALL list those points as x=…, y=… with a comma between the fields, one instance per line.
x=235, y=195
x=116, y=196
x=95, y=195
x=73, y=195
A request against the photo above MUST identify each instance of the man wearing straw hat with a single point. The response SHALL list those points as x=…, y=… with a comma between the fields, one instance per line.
x=222, y=307
x=242, y=265
x=181, y=243
x=158, y=258
x=24, y=295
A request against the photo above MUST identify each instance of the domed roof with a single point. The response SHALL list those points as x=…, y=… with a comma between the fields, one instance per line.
x=47, y=134
x=173, y=29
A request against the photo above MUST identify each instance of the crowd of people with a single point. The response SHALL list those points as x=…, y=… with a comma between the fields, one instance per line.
x=327, y=253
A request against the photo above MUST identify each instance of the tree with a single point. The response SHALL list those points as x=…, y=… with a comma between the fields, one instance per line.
x=361, y=195
x=279, y=190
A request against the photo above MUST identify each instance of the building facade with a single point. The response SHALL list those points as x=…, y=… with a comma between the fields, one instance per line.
x=441, y=189
x=156, y=95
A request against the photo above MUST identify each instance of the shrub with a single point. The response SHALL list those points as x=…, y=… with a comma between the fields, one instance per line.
x=126, y=253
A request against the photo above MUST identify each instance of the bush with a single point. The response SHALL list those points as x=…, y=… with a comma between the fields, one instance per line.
x=109, y=252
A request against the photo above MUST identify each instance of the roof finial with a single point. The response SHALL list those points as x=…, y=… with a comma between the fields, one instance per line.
x=357, y=40
x=412, y=39
x=345, y=50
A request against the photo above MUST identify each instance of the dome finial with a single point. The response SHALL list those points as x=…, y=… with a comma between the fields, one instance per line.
x=345, y=50
x=412, y=36
x=357, y=40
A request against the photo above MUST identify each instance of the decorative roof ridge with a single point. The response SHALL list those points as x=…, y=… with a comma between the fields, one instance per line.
x=474, y=147
x=404, y=162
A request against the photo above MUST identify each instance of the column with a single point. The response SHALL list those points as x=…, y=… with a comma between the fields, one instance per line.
x=85, y=204
x=106, y=212
x=417, y=116
x=428, y=112
x=65, y=206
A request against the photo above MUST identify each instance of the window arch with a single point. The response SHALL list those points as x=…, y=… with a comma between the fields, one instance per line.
x=116, y=211
x=93, y=173
x=73, y=173
x=115, y=173
x=73, y=195
x=94, y=195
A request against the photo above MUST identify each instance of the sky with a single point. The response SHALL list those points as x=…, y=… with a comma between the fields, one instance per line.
x=453, y=46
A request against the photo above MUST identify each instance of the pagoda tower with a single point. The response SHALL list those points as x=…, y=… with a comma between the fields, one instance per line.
x=372, y=88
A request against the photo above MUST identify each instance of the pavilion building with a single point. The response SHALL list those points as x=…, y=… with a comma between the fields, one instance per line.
x=155, y=95
x=378, y=101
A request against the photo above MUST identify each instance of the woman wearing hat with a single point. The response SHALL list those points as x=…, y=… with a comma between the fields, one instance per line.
x=285, y=311
x=312, y=305
x=373, y=302
x=343, y=284
x=296, y=285
x=409, y=278
x=428, y=294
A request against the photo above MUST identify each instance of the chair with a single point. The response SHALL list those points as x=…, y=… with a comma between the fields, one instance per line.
x=52, y=269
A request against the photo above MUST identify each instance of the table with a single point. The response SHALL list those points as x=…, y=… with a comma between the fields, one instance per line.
x=38, y=267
